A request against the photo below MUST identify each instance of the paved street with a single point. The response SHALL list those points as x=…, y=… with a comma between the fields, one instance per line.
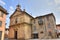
x=6, y=39
x=33, y=39
x=9, y=39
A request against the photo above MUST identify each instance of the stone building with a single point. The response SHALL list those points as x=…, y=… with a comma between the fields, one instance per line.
x=3, y=14
x=24, y=26
x=43, y=27
x=20, y=24
x=58, y=30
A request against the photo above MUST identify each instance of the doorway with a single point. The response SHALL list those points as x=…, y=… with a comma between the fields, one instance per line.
x=35, y=36
x=15, y=35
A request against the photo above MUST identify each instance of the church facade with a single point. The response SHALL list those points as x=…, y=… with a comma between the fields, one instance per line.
x=24, y=26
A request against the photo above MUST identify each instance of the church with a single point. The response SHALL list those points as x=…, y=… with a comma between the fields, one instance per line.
x=23, y=26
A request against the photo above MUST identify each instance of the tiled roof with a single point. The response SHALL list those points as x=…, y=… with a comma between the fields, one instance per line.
x=46, y=15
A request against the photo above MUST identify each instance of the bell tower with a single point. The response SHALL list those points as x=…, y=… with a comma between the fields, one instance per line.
x=18, y=7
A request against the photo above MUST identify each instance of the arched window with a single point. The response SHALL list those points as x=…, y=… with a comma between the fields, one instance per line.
x=16, y=20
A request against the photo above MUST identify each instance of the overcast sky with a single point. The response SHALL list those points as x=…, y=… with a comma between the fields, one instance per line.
x=33, y=7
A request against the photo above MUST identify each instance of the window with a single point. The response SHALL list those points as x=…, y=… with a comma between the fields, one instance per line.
x=34, y=28
x=41, y=32
x=40, y=21
x=0, y=35
x=47, y=18
x=1, y=14
x=50, y=34
x=34, y=21
x=35, y=36
x=49, y=26
x=16, y=20
x=0, y=23
x=45, y=28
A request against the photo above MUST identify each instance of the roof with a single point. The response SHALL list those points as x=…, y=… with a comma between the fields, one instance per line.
x=14, y=13
x=2, y=9
x=46, y=15
x=28, y=14
x=32, y=16
x=20, y=11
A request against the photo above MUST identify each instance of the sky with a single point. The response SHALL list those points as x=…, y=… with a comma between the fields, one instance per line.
x=33, y=7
